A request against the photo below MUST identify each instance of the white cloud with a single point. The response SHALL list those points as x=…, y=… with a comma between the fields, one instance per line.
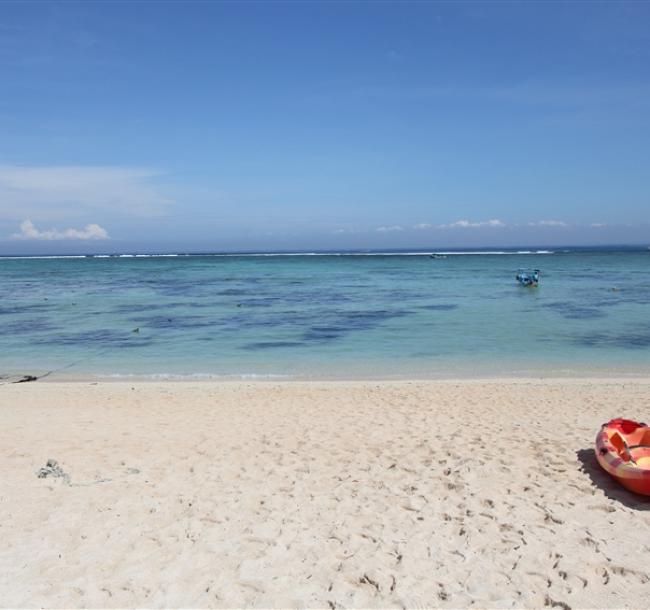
x=548, y=223
x=422, y=225
x=29, y=231
x=597, y=225
x=466, y=224
x=389, y=229
x=61, y=192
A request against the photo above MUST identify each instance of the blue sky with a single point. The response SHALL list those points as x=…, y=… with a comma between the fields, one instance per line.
x=280, y=125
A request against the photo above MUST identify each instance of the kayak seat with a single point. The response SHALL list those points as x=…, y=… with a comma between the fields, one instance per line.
x=621, y=446
x=639, y=438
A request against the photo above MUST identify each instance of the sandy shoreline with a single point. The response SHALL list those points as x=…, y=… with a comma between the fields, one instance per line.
x=322, y=494
x=492, y=373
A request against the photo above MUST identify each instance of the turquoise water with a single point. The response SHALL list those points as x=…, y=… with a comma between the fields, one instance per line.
x=326, y=316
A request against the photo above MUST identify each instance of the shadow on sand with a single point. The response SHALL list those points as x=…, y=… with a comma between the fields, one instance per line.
x=612, y=489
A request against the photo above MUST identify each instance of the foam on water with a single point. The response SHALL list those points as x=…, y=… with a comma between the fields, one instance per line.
x=284, y=254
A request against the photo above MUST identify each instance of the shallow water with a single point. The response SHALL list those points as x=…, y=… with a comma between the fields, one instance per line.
x=326, y=316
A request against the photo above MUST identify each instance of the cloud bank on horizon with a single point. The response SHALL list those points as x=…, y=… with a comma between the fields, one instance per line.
x=49, y=192
x=455, y=124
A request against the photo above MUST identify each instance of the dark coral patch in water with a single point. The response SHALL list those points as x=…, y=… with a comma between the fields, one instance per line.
x=96, y=338
x=139, y=307
x=25, y=327
x=178, y=322
x=335, y=325
x=20, y=309
x=271, y=345
x=324, y=333
x=639, y=339
x=344, y=323
x=575, y=312
x=441, y=307
x=259, y=302
x=362, y=320
x=235, y=292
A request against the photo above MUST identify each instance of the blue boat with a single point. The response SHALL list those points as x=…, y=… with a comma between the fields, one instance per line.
x=528, y=278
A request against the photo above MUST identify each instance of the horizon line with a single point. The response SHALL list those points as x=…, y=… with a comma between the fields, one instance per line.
x=494, y=250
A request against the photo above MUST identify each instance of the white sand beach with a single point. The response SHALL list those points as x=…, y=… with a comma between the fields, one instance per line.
x=328, y=495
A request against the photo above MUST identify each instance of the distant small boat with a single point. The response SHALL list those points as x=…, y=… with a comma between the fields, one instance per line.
x=623, y=450
x=438, y=256
x=528, y=278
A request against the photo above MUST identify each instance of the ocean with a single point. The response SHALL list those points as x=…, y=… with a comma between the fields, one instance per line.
x=326, y=316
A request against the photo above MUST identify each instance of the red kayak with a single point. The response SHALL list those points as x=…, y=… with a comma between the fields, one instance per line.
x=623, y=450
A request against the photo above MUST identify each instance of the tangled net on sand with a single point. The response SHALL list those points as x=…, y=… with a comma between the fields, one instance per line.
x=52, y=469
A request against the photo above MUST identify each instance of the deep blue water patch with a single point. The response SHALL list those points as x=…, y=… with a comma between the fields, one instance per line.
x=321, y=334
x=178, y=322
x=257, y=345
x=343, y=323
x=25, y=327
x=337, y=324
x=596, y=302
x=139, y=307
x=364, y=320
x=586, y=274
x=187, y=289
x=21, y=309
x=634, y=340
x=259, y=302
x=262, y=319
x=96, y=338
x=441, y=307
x=402, y=294
x=235, y=292
x=571, y=311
